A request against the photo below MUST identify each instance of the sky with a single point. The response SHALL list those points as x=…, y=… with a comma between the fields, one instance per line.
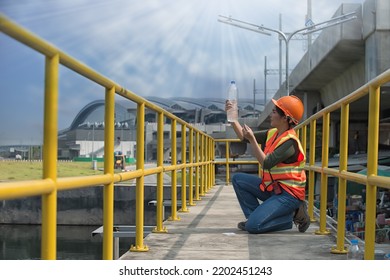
x=165, y=48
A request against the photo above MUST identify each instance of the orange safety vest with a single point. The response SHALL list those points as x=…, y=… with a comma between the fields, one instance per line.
x=291, y=176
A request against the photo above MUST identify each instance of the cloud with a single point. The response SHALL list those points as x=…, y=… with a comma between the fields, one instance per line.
x=153, y=48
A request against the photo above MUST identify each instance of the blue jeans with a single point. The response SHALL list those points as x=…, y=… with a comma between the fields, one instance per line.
x=264, y=210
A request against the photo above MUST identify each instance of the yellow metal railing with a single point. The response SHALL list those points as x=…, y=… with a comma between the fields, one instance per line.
x=371, y=180
x=200, y=162
x=228, y=159
x=50, y=184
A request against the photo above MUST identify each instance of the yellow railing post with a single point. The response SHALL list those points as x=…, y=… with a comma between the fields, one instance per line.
x=203, y=167
x=160, y=176
x=173, y=216
x=324, y=176
x=302, y=135
x=183, y=170
x=213, y=159
x=372, y=169
x=207, y=166
x=201, y=192
x=140, y=165
x=227, y=162
x=210, y=151
x=191, y=172
x=49, y=201
x=342, y=189
x=197, y=172
x=303, y=138
x=108, y=191
x=312, y=158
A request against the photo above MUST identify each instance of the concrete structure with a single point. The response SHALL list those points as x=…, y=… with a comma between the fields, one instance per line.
x=342, y=59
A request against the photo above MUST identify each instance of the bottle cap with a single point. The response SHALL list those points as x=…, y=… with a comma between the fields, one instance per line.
x=354, y=241
x=233, y=82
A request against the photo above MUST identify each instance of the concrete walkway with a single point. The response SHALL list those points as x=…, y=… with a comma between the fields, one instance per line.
x=208, y=232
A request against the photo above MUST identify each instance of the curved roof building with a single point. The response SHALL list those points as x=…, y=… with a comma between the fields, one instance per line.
x=84, y=137
x=192, y=110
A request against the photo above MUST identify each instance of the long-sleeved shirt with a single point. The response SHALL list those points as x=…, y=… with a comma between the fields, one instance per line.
x=286, y=152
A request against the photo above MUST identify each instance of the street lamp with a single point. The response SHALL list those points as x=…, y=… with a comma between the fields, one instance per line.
x=287, y=36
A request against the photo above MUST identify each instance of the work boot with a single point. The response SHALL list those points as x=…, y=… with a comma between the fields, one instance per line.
x=301, y=217
x=241, y=225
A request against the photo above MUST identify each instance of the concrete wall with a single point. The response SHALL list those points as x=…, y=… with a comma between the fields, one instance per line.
x=352, y=78
x=376, y=33
x=83, y=207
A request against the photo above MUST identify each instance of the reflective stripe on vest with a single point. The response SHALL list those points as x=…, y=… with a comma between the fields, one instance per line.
x=291, y=176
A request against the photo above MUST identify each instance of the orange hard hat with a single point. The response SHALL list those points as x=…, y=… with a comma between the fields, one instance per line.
x=292, y=107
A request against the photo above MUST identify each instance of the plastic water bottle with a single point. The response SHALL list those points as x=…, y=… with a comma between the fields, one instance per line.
x=354, y=252
x=232, y=113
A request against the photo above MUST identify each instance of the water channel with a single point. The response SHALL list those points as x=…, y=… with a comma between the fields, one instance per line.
x=23, y=242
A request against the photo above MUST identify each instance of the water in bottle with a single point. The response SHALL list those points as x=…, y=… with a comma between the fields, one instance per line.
x=354, y=252
x=232, y=113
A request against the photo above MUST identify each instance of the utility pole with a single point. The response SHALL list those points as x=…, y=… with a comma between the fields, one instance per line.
x=309, y=22
x=280, y=53
x=254, y=97
x=265, y=81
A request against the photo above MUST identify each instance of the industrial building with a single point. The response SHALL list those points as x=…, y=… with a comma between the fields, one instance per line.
x=85, y=136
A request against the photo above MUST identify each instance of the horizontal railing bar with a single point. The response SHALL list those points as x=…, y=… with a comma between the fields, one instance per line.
x=85, y=71
x=153, y=170
x=379, y=181
x=354, y=177
x=236, y=162
x=21, y=189
x=227, y=140
x=131, y=175
x=314, y=168
x=69, y=183
x=25, y=37
x=331, y=171
x=172, y=168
